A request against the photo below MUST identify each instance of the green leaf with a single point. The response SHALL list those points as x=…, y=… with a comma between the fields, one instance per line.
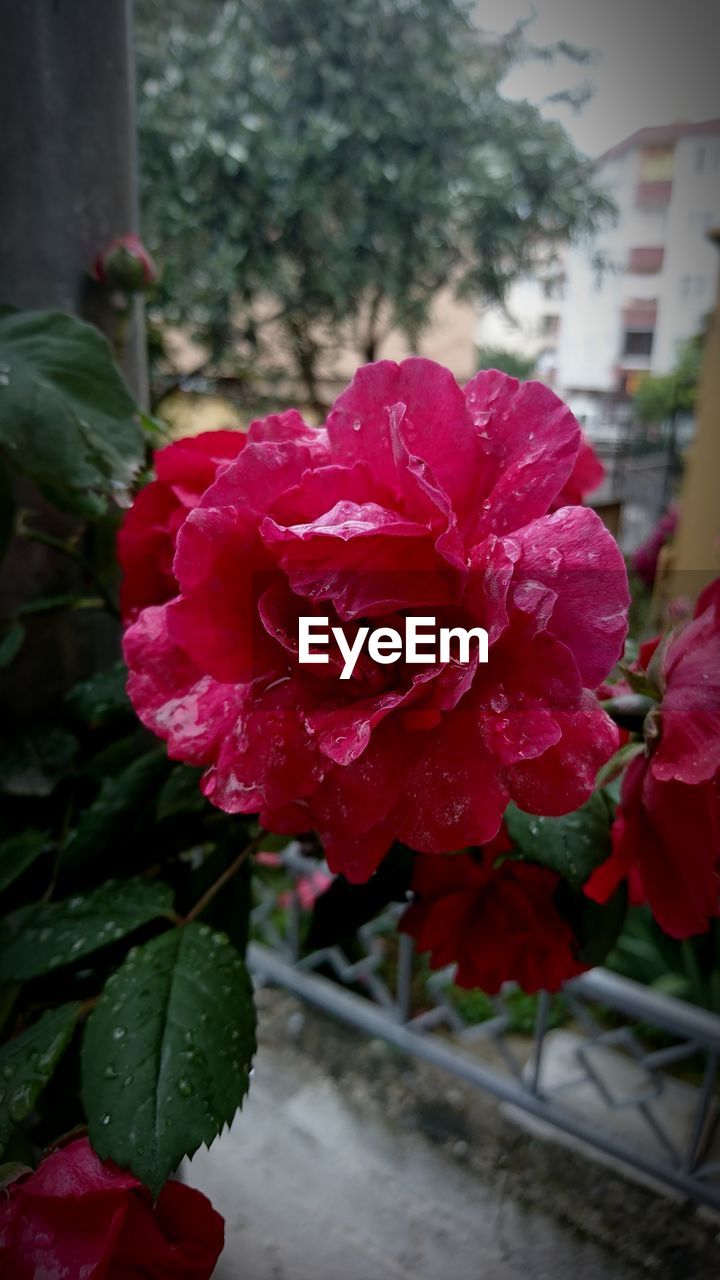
x=117, y=811
x=572, y=845
x=28, y=1062
x=598, y=925
x=167, y=1051
x=67, y=600
x=156, y=429
x=8, y=996
x=46, y=935
x=67, y=418
x=18, y=852
x=11, y=642
x=12, y=1172
x=100, y=698
x=110, y=760
x=181, y=794
x=33, y=761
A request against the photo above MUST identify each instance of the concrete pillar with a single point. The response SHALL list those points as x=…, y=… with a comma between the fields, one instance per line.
x=69, y=163
x=695, y=555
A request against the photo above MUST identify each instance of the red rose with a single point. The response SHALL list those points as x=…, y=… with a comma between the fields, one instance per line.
x=584, y=478
x=146, y=540
x=497, y=924
x=668, y=835
x=76, y=1218
x=125, y=264
x=414, y=498
x=668, y=822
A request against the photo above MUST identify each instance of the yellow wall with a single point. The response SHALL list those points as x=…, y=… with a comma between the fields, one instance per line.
x=695, y=558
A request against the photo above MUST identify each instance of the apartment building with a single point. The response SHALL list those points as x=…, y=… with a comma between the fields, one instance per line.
x=603, y=314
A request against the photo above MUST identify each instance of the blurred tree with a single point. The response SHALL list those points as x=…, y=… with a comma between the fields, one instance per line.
x=506, y=361
x=322, y=170
x=661, y=397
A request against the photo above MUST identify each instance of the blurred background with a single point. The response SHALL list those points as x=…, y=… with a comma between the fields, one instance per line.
x=526, y=186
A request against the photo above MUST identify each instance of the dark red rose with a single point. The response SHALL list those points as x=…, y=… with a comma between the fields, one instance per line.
x=587, y=474
x=668, y=821
x=125, y=264
x=76, y=1218
x=146, y=540
x=497, y=924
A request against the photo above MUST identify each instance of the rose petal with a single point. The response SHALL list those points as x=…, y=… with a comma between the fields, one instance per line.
x=267, y=758
x=191, y=711
x=189, y=466
x=572, y=554
x=364, y=558
x=530, y=441
x=672, y=831
x=689, y=746
x=425, y=399
x=563, y=777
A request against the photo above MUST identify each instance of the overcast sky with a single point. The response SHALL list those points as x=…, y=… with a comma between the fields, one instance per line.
x=657, y=61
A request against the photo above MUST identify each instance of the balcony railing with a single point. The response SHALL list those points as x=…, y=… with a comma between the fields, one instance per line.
x=617, y=1081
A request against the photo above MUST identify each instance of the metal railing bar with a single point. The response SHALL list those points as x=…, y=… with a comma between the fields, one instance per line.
x=645, y=1005
x=358, y=1012
x=702, y=1111
x=542, y=1018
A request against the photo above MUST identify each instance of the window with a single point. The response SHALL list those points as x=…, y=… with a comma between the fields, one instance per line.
x=692, y=288
x=656, y=164
x=633, y=381
x=638, y=342
x=654, y=195
x=655, y=178
x=646, y=259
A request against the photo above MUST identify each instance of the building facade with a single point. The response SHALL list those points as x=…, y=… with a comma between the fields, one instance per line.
x=608, y=312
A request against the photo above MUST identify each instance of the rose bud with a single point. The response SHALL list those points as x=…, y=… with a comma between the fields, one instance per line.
x=125, y=264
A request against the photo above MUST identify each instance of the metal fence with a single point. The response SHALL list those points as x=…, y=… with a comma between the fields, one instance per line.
x=636, y=1077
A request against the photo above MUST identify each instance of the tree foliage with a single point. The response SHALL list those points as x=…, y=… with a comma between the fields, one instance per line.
x=662, y=396
x=316, y=171
x=507, y=361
